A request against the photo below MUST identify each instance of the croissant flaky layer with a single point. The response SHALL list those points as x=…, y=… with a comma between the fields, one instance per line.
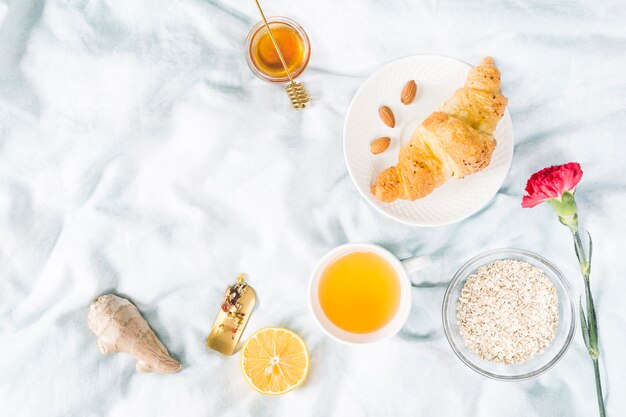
x=455, y=141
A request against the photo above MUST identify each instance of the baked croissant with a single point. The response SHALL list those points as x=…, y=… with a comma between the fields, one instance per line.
x=455, y=141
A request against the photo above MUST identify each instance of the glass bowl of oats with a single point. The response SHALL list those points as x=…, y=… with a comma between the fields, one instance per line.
x=509, y=314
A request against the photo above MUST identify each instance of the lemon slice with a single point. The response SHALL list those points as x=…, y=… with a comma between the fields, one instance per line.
x=274, y=361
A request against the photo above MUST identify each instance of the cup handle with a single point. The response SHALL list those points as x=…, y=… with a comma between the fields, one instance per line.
x=415, y=263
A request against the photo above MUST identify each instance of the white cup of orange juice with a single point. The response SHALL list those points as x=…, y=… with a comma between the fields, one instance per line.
x=361, y=293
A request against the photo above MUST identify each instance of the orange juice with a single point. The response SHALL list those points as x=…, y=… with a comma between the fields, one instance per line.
x=359, y=292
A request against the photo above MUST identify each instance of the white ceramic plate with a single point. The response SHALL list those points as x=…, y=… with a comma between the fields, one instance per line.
x=438, y=77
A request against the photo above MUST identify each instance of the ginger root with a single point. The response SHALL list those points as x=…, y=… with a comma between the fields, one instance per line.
x=120, y=328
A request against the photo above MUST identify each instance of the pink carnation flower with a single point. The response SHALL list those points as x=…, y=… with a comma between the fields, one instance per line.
x=551, y=183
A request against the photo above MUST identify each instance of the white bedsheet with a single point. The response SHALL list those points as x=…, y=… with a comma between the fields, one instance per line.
x=139, y=155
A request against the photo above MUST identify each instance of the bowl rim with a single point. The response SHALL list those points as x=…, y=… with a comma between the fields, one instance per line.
x=510, y=252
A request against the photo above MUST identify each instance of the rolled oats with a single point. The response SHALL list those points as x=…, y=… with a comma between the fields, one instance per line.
x=508, y=311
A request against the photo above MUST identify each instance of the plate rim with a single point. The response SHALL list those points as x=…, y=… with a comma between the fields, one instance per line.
x=366, y=198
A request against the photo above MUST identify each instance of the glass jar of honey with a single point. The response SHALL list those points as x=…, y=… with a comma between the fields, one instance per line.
x=261, y=55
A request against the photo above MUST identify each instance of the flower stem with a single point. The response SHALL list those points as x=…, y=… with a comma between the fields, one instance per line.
x=596, y=369
x=590, y=332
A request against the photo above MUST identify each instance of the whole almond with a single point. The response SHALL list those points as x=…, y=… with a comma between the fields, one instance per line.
x=408, y=93
x=380, y=145
x=386, y=115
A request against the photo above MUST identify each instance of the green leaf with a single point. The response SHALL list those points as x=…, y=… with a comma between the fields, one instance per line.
x=583, y=324
x=590, y=250
x=594, y=351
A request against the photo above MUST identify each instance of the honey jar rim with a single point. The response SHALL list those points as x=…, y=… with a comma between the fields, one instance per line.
x=257, y=29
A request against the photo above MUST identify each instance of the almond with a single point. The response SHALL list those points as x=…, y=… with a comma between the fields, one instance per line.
x=380, y=145
x=386, y=115
x=408, y=93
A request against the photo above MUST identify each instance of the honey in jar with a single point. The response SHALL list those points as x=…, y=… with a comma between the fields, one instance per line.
x=262, y=56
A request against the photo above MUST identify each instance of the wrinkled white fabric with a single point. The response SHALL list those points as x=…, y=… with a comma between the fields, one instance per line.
x=139, y=155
